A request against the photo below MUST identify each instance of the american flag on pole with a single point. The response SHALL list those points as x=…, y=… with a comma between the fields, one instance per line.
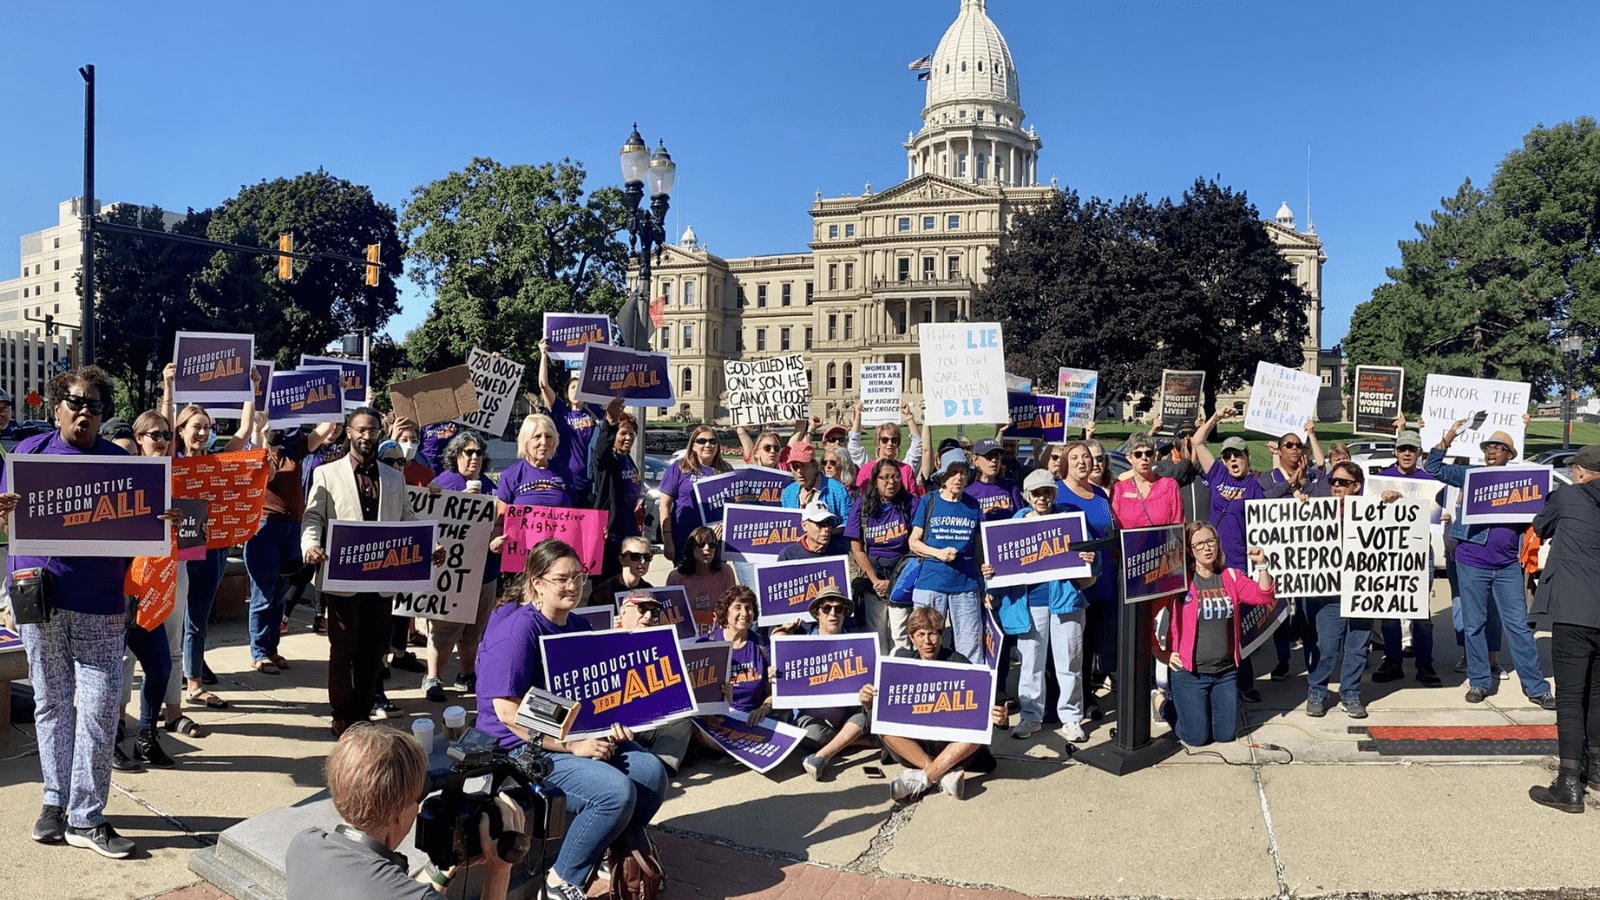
x=921, y=64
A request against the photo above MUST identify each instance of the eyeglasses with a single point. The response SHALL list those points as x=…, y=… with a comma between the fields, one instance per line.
x=567, y=581
x=399, y=462
x=79, y=404
x=1288, y=446
x=702, y=441
x=157, y=435
x=1343, y=482
x=831, y=609
x=637, y=557
x=768, y=448
x=1207, y=542
x=1141, y=454
x=1054, y=457
x=472, y=453
x=1098, y=460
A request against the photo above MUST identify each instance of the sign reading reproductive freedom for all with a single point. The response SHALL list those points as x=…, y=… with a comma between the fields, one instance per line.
x=1034, y=549
x=264, y=368
x=1036, y=416
x=629, y=678
x=759, y=747
x=1486, y=405
x=378, y=556
x=784, y=590
x=816, y=671
x=1380, y=390
x=465, y=525
x=1504, y=494
x=1079, y=387
x=1153, y=563
x=638, y=377
x=706, y=664
x=881, y=387
x=757, y=533
x=1302, y=541
x=1181, y=395
x=83, y=505
x=963, y=373
x=756, y=485
x=933, y=701
x=495, y=379
x=305, y=397
x=774, y=389
x=1387, y=574
x=566, y=334
x=353, y=377
x=212, y=368
x=1282, y=400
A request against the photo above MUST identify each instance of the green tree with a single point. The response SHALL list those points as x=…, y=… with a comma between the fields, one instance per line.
x=501, y=245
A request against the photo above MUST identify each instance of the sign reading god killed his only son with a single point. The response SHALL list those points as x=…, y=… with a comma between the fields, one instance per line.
x=881, y=387
x=1485, y=404
x=495, y=379
x=963, y=373
x=1282, y=400
x=1387, y=574
x=1504, y=494
x=1301, y=541
x=1379, y=392
x=775, y=389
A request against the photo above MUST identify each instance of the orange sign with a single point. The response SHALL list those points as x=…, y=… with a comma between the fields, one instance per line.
x=154, y=580
x=235, y=484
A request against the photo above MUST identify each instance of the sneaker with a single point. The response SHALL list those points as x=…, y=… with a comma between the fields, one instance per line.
x=1072, y=733
x=1353, y=708
x=1461, y=667
x=1387, y=673
x=121, y=761
x=1476, y=695
x=1250, y=695
x=556, y=889
x=382, y=708
x=1429, y=678
x=814, y=764
x=433, y=689
x=908, y=785
x=409, y=662
x=1543, y=701
x=1317, y=708
x=51, y=826
x=1280, y=672
x=465, y=683
x=1498, y=673
x=1025, y=729
x=102, y=839
x=952, y=783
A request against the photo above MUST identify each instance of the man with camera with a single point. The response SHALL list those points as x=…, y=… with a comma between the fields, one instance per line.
x=376, y=775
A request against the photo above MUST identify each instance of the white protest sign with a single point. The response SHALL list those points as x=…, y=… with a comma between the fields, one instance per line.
x=1281, y=400
x=496, y=380
x=775, y=389
x=1302, y=543
x=963, y=373
x=1423, y=490
x=1487, y=406
x=1079, y=386
x=466, y=523
x=881, y=387
x=1387, y=573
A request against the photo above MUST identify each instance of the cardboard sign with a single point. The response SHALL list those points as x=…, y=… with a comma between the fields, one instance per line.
x=495, y=380
x=784, y=590
x=83, y=505
x=1034, y=549
x=525, y=526
x=1504, y=494
x=1380, y=392
x=1282, y=400
x=1302, y=541
x=816, y=671
x=443, y=396
x=882, y=385
x=756, y=485
x=1036, y=416
x=465, y=523
x=707, y=664
x=154, y=581
x=775, y=389
x=963, y=373
x=234, y=485
x=383, y=557
x=757, y=533
x=1153, y=563
x=638, y=377
x=305, y=397
x=1080, y=388
x=212, y=368
x=1182, y=393
x=566, y=334
x=1387, y=572
x=230, y=410
x=933, y=701
x=629, y=678
x=760, y=747
x=1487, y=406
x=353, y=377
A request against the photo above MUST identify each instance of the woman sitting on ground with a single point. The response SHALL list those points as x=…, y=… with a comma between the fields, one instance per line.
x=834, y=729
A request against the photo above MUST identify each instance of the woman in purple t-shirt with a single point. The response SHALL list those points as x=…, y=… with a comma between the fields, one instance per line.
x=749, y=688
x=878, y=528
x=702, y=459
x=530, y=481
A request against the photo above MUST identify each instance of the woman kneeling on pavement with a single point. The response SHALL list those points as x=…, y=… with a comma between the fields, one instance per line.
x=830, y=731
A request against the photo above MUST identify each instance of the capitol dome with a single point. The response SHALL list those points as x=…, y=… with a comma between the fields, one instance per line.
x=973, y=61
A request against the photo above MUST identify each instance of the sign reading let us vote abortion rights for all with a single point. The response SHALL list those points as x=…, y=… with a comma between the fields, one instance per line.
x=85, y=505
x=1387, y=572
x=629, y=678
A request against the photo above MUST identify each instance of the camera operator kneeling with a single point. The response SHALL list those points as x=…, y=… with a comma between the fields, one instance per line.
x=376, y=776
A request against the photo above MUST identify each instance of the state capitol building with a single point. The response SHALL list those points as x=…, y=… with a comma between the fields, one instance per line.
x=881, y=263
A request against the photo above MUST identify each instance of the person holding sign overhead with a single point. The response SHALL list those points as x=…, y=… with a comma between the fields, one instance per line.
x=887, y=436
x=575, y=422
x=944, y=532
x=1407, y=456
x=679, y=512
x=617, y=486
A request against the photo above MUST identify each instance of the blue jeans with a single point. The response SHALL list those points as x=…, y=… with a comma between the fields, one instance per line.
x=205, y=575
x=155, y=658
x=1500, y=589
x=604, y=799
x=1421, y=643
x=963, y=614
x=1336, y=633
x=1207, y=706
x=1452, y=573
x=265, y=556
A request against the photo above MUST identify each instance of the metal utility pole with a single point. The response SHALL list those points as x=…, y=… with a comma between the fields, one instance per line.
x=87, y=213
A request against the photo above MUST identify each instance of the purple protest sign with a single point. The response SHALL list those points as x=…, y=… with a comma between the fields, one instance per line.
x=639, y=377
x=1036, y=416
x=784, y=590
x=1153, y=563
x=993, y=639
x=601, y=618
x=1505, y=494
x=264, y=368
x=566, y=334
x=707, y=666
x=675, y=609
x=305, y=397
x=353, y=377
x=755, y=485
x=211, y=367
x=1257, y=623
x=816, y=671
x=761, y=747
x=1035, y=549
x=629, y=678
x=81, y=505
x=933, y=701
x=378, y=556
x=757, y=533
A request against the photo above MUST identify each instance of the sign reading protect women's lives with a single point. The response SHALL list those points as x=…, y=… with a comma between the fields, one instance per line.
x=882, y=385
x=1282, y=400
x=382, y=557
x=637, y=377
x=234, y=486
x=305, y=397
x=757, y=533
x=264, y=368
x=630, y=678
x=1153, y=563
x=83, y=505
x=495, y=379
x=525, y=526
x=784, y=590
x=353, y=377
x=1182, y=392
x=1380, y=391
x=1302, y=542
x=1036, y=416
x=963, y=373
x=1504, y=494
x=465, y=523
x=756, y=485
x=1387, y=573
x=566, y=334
x=212, y=368
x=933, y=701
x=706, y=664
x=1487, y=406
x=760, y=747
x=1079, y=387
x=818, y=671
x=1035, y=549
x=774, y=389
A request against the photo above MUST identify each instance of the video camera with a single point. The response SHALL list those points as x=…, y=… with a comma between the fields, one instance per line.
x=447, y=826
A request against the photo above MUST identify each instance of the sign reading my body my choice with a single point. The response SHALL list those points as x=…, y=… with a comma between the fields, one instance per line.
x=629, y=678
x=566, y=334
x=82, y=505
x=638, y=377
x=305, y=397
x=1153, y=563
x=212, y=368
x=963, y=373
x=382, y=557
x=353, y=380
x=1505, y=494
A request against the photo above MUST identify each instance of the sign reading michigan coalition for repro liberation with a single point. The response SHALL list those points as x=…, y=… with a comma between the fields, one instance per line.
x=84, y=505
x=1302, y=542
x=382, y=557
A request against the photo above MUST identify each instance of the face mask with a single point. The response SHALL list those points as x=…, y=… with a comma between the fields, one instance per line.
x=410, y=448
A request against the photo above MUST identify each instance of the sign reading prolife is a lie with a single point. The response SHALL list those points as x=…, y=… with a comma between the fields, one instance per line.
x=1034, y=549
x=756, y=485
x=212, y=368
x=933, y=701
x=305, y=397
x=1153, y=563
x=637, y=377
x=465, y=525
x=881, y=387
x=353, y=377
x=495, y=379
x=1282, y=400
x=83, y=505
x=583, y=529
x=566, y=334
x=1387, y=573
x=1182, y=392
x=1302, y=541
x=774, y=389
x=629, y=678
x=1504, y=494
x=963, y=373
x=816, y=671
x=757, y=533
x=383, y=557
x=784, y=590
x=1486, y=406
x=1380, y=391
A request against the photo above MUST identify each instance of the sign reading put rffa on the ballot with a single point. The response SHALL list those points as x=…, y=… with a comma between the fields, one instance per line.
x=381, y=557
x=83, y=505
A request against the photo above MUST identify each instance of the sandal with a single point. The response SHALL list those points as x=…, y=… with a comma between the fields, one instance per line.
x=186, y=726
x=265, y=667
x=280, y=662
x=211, y=701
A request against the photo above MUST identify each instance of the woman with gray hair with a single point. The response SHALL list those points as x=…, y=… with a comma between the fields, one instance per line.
x=945, y=533
x=464, y=458
x=836, y=464
x=530, y=480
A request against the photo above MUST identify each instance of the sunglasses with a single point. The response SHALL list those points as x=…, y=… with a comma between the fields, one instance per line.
x=157, y=435
x=1136, y=454
x=399, y=462
x=1289, y=446
x=888, y=440
x=1233, y=454
x=831, y=609
x=1343, y=482
x=702, y=441
x=472, y=453
x=833, y=463
x=79, y=404
x=768, y=448
x=832, y=440
x=637, y=557
x=1054, y=457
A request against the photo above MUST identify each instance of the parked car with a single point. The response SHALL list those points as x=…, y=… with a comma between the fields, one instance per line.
x=1560, y=459
x=1360, y=451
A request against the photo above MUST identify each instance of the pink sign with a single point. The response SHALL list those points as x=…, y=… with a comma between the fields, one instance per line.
x=584, y=529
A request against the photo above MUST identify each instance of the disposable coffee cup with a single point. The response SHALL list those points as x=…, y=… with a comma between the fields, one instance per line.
x=455, y=723
x=422, y=730
x=475, y=485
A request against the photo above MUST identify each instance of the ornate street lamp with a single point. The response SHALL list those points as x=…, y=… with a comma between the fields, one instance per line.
x=1571, y=346
x=647, y=234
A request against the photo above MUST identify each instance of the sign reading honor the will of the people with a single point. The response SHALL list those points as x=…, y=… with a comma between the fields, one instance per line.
x=774, y=389
x=816, y=671
x=1486, y=406
x=1504, y=494
x=706, y=664
x=83, y=505
x=756, y=485
x=963, y=373
x=759, y=747
x=630, y=678
x=566, y=334
x=1034, y=549
x=234, y=486
x=465, y=524
x=933, y=701
x=378, y=556
x=1182, y=392
x=1153, y=563
x=1387, y=574
x=212, y=368
x=353, y=377
x=784, y=590
x=1036, y=416
x=881, y=387
x=1380, y=390
x=637, y=377
x=1301, y=541
x=757, y=533
x=443, y=396
x=1079, y=388
x=1282, y=400
x=495, y=379
x=525, y=526
x=305, y=397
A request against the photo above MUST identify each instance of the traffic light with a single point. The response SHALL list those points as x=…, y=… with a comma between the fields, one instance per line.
x=49, y=325
x=372, y=265
x=285, y=263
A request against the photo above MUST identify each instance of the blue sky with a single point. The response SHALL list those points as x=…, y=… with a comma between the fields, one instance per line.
x=762, y=104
